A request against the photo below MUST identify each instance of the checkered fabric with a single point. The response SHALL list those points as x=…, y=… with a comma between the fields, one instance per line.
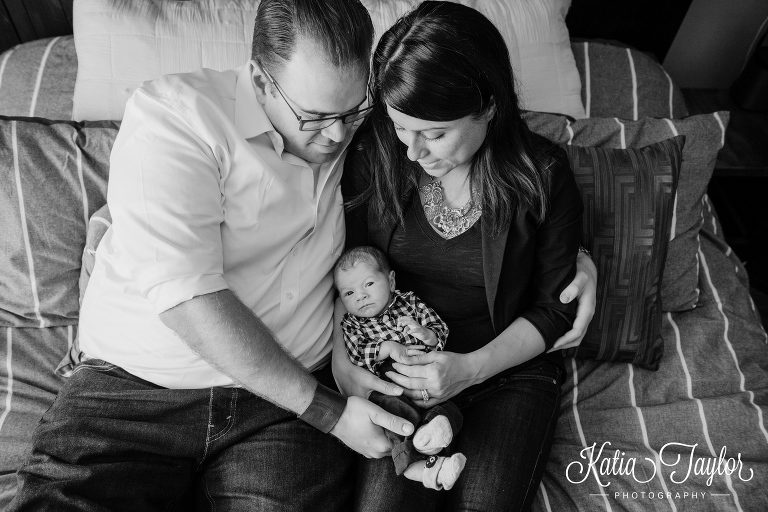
x=363, y=336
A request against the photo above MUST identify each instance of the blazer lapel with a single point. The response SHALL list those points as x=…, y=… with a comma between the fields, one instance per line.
x=493, y=257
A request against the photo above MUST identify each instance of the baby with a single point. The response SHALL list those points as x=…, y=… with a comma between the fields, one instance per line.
x=381, y=322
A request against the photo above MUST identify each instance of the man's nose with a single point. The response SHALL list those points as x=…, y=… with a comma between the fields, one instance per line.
x=336, y=131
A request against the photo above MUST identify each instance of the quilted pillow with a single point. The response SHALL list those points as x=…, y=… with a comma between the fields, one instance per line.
x=36, y=78
x=121, y=44
x=619, y=81
x=705, y=135
x=53, y=176
x=628, y=200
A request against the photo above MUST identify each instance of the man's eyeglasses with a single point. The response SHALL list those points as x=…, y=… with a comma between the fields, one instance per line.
x=312, y=125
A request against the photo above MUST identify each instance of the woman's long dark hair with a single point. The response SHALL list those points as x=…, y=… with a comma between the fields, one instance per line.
x=445, y=61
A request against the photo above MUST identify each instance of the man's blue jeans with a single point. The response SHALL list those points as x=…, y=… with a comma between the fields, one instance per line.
x=509, y=424
x=112, y=441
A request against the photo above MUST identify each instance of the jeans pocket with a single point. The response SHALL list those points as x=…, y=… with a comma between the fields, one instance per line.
x=96, y=365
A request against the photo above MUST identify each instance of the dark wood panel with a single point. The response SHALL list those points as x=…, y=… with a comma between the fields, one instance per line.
x=8, y=35
x=48, y=18
x=20, y=20
x=648, y=25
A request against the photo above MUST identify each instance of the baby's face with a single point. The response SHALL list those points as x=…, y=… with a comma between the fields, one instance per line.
x=364, y=290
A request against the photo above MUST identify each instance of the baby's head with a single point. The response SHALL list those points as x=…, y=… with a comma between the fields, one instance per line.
x=364, y=281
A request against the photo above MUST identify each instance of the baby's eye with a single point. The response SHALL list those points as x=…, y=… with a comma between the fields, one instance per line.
x=369, y=283
x=347, y=294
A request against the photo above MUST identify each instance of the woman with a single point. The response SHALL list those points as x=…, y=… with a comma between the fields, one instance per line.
x=481, y=219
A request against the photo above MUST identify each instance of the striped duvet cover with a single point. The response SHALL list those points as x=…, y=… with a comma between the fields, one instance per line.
x=704, y=409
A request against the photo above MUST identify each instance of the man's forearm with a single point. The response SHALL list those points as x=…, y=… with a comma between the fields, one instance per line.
x=226, y=333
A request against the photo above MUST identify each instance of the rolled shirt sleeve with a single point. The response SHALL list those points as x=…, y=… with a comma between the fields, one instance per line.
x=166, y=202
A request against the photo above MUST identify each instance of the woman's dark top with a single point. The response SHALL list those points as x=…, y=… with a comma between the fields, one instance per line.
x=524, y=268
x=447, y=275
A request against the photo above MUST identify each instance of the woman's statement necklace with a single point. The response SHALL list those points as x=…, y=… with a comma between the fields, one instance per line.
x=450, y=222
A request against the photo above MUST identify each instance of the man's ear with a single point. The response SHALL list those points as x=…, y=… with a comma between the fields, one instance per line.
x=259, y=81
x=392, y=286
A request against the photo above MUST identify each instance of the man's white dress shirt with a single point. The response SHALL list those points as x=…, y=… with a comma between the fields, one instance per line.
x=203, y=198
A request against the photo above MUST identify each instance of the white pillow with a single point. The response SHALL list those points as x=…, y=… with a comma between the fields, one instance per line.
x=121, y=43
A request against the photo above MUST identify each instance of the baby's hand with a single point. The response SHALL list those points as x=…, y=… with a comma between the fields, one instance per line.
x=410, y=326
x=394, y=350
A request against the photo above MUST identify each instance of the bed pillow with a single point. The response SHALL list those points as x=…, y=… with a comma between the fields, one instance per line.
x=705, y=135
x=121, y=44
x=53, y=177
x=36, y=78
x=619, y=81
x=628, y=200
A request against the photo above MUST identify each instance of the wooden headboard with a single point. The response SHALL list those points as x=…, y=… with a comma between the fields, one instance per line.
x=648, y=25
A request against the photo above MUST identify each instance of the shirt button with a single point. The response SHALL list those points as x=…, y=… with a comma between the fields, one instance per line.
x=289, y=296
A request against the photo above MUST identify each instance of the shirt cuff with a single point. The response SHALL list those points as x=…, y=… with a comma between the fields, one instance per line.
x=325, y=410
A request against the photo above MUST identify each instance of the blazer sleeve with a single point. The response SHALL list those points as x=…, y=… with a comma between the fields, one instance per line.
x=556, y=248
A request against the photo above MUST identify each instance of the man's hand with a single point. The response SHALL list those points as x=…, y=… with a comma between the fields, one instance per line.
x=410, y=326
x=361, y=427
x=583, y=287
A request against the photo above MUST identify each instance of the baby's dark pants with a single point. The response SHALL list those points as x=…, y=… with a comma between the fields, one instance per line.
x=403, y=452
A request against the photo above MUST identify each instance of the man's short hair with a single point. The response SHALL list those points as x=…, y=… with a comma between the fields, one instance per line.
x=343, y=28
x=373, y=256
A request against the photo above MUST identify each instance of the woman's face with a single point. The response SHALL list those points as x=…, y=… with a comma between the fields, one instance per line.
x=441, y=146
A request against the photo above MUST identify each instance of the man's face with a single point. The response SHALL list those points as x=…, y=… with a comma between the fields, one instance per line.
x=314, y=88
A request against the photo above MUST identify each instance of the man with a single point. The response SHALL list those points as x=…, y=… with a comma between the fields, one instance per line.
x=206, y=324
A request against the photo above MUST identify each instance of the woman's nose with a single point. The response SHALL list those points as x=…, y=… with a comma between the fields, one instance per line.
x=416, y=149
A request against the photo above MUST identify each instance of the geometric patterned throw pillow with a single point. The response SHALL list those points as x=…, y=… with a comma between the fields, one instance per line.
x=628, y=200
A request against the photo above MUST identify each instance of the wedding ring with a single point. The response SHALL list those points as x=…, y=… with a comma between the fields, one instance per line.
x=424, y=395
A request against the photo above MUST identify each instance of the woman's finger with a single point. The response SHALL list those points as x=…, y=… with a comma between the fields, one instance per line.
x=416, y=358
x=416, y=371
x=408, y=383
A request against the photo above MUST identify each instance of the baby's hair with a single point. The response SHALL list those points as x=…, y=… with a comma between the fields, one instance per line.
x=373, y=256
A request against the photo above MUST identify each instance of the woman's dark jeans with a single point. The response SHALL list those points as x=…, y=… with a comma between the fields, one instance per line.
x=509, y=424
x=112, y=441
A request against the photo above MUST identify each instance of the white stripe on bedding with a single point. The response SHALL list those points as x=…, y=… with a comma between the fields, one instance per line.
x=40, y=76
x=672, y=229
x=545, y=497
x=728, y=344
x=9, y=368
x=645, y=435
x=80, y=177
x=623, y=134
x=702, y=416
x=570, y=131
x=2, y=65
x=671, y=93
x=587, y=81
x=578, y=423
x=24, y=230
x=722, y=128
x=689, y=383
x=634, y=84
x=709, y=209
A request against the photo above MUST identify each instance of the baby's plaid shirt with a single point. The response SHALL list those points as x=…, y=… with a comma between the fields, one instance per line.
x=363, y=336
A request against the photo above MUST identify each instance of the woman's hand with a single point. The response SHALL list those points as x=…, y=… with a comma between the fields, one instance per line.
x=442, y=374
x=583, y=287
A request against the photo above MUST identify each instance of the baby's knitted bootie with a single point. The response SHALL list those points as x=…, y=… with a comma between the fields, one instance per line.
x=442, y=472
x=434, y=436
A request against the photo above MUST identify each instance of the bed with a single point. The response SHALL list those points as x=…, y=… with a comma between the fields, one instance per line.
x=663, y=411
